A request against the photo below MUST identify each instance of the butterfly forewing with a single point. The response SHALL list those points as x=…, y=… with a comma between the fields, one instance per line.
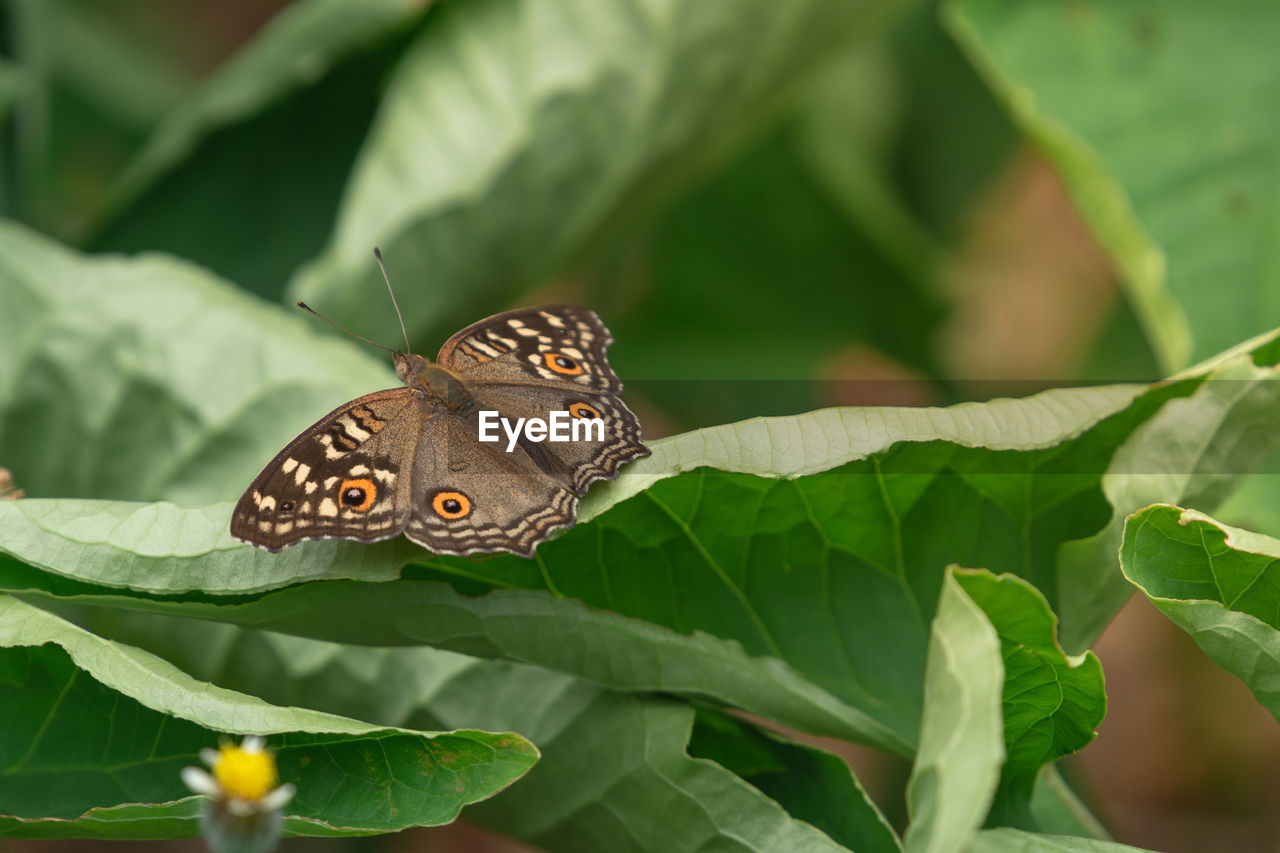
x=556, y=345
x=345, y=476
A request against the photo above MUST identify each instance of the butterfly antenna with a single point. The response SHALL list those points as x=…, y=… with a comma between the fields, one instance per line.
x=307, y=307
x=377, y=253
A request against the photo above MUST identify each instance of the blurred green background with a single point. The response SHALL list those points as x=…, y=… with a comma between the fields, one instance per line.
x=775, y=207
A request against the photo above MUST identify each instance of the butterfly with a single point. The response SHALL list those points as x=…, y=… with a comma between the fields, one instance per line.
x=410, y=460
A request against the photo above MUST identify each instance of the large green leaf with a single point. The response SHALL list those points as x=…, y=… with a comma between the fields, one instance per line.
x=610, y=762
x=114, y=725
x=957, y=766
x=524, y=625
x=515, y=134
x=244, y=174
x=1218, y=583
x=147, y=377
x=1159, y=120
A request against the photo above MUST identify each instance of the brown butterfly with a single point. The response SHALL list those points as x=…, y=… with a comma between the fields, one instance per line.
x=410, y=460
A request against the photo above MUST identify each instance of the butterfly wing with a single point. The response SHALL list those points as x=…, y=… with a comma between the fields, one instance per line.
x=344, y=476
x=532, y=361
x=557, y=346
x=470, y=497
x=592, y=451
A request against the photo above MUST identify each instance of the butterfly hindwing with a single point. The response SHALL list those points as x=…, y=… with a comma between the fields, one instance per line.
x=594, y=450
x=472, y=497
x=342, y=477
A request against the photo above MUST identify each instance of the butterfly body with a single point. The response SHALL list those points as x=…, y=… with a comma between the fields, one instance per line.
x=435, y=383
x=411, y=460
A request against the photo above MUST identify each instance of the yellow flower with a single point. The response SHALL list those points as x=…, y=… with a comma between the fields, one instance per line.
x=244, y=777
x=243, y=812
x=244, y=772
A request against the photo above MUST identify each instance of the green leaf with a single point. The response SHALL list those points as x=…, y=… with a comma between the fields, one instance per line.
x=1127, y=101
x=1194, y=451
x=279, y=123
x=147, y=377
x=1218, y=583
x=1005, y=840
x=524, y=625
x=957, y=766
x=114, y=725
x=616, y=775
x=1052, y=703
x=610, y=762
x=812, y=785
x=516, y=134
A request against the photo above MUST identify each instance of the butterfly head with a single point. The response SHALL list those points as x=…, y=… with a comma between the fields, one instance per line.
x=408, y=366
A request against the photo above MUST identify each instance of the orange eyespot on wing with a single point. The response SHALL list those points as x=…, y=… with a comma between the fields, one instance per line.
x=358, y=495
x=582, y=410
x=451, y=505
x=561, y=363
